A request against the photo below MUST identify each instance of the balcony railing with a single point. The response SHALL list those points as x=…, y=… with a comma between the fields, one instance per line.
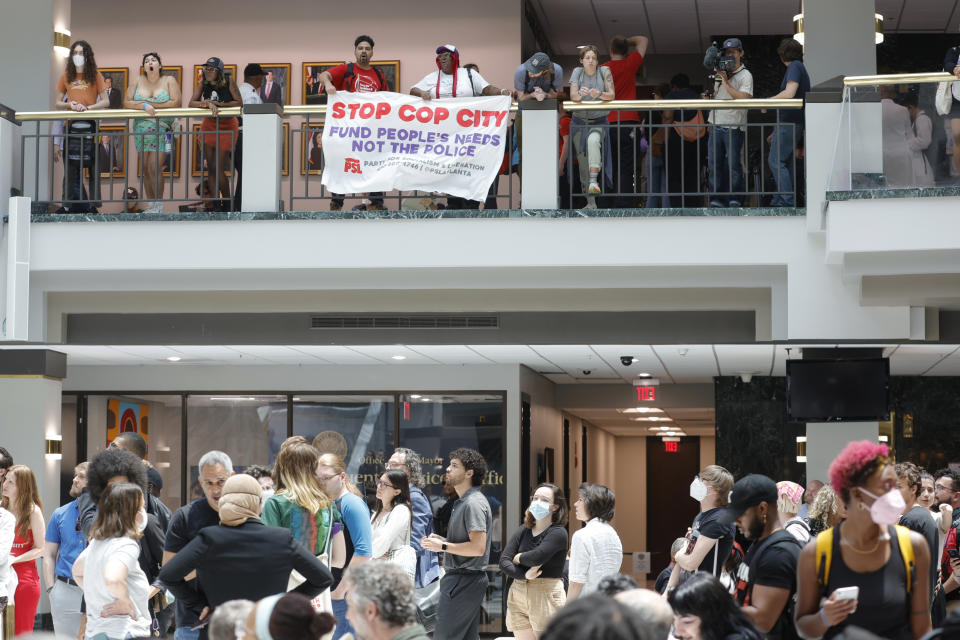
x=671, y=158
x=891, y=138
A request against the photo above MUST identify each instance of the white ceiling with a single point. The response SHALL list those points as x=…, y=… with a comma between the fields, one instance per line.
x=562, y=364
x=685, y=26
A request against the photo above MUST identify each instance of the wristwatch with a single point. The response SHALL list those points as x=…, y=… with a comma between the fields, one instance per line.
x=443, y=546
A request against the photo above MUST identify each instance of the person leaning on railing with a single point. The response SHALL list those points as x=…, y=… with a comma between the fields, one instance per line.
x=152, y=92
x=216, y=91
x=81, y=87
x=591, y=140
x=951, y=64
x=785, y=137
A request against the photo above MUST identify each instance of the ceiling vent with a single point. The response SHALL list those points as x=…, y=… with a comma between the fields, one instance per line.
x=446, y=321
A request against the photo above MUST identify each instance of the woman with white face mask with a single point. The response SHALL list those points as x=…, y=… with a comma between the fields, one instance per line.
x=711, y=542
x=865, y=571
x=81, y=87
x=115, y=588
x=534, y=558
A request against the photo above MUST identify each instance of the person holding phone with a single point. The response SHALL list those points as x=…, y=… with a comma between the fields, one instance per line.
x=872, y=574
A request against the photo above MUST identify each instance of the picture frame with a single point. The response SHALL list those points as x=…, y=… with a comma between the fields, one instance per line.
x=174, y=155
x=286, y=149
x=195, y=168
x=313, y=92
x=229, y=70
x=118, y=82
x=281, y=78
x=107, y=140
x=308, y=134
x=176, y=71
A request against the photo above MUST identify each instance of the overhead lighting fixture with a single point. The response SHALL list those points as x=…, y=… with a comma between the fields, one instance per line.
x=670, y=439
x=233, y=398
x=61, y=42
x=174, y=358
x=643, y=375
x=54, y=447
x=801, y=448
x=798, y=28
x=398, y=357
x=414, y=396
x=884, y=439
x=877, y=28
x=641, y=410
x=646, y=381
x=652, y=419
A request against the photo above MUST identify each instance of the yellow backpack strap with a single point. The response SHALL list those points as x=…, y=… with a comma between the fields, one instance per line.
x=824, y=556
x=906, y=552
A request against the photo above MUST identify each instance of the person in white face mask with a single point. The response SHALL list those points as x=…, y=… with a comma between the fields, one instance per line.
x=711, y=541
x=866, y=571
x=115, y=588
x=534, y=558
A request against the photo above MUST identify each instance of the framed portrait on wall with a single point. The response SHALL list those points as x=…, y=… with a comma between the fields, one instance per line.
x=311, y=150
x=286, y=149
x=172, y=157
x=275, y=87
x=111, y=152
x=229, y=70
x=195, y=155
x=174, y=71
x=313, y=92
x=116, y=81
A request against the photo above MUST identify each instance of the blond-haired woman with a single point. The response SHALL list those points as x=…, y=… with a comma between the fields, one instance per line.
x=22, y=499
x=301, y=506
x=115, y=588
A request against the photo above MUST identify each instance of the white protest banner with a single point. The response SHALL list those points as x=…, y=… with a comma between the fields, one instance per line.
x=383, y=141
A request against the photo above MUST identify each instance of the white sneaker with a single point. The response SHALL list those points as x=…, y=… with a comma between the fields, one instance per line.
x=593, y=188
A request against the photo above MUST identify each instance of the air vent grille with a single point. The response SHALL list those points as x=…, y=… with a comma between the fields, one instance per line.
x=447, y=321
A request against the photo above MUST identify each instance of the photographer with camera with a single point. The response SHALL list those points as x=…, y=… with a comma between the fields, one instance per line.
x=732, y=81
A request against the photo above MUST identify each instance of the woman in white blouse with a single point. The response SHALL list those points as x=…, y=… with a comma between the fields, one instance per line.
x=392, y=520
x=595, y=550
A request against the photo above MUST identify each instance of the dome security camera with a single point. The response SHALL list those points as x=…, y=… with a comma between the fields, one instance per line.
x=626, y=360
x=587, y=372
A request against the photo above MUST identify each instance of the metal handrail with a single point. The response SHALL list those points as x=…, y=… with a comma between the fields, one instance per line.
x=629, y=105
x=122, y=114
x=898, y=78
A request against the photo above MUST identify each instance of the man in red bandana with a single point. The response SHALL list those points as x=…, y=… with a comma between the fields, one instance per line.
x=450, y=80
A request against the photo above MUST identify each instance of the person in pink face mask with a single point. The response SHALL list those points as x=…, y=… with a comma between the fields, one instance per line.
x=872, y=573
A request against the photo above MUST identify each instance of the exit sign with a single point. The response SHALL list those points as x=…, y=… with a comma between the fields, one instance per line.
x=670, y=447
x=646, y=394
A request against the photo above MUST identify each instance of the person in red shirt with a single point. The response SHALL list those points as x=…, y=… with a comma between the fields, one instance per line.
x=624, y=65
x=357, y=77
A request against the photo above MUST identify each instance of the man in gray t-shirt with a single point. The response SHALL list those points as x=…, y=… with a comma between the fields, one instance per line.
x=466, y=549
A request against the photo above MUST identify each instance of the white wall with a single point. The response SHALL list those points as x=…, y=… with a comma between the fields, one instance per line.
x=826, y=439
x=546, y=423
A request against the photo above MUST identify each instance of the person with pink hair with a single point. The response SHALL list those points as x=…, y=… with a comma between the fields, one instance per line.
x=889, y=599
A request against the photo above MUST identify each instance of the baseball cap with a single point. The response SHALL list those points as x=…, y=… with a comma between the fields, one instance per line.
x=154, y=478
x=749, y=491
x=132, y=194
x=447, y=48
x=214, y=62
x=733, y=43
x=537, y=63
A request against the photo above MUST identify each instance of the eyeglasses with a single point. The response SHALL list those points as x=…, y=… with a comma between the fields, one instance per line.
x=940, y=487
x=381, y=483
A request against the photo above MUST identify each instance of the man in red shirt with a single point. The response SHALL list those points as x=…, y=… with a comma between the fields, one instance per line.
x=356, y=77
x=624, y=68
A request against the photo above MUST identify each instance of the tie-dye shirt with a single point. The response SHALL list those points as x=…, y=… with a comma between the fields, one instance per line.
x=309, y=529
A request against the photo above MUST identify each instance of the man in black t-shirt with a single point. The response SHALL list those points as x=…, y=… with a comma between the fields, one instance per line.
x=919, y=519
x=766, y=580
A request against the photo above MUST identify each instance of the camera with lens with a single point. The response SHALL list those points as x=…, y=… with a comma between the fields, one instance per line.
x=715, y=61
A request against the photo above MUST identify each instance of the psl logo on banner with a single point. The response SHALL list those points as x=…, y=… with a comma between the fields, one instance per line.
x=384, y=141
x=126, y=416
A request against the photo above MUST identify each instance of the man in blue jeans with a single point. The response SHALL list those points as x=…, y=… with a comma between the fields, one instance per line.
x=356, y=520
x=788, y=134
x=725, y=145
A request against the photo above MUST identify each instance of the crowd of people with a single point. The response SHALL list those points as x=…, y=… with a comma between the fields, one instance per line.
x=295, y=553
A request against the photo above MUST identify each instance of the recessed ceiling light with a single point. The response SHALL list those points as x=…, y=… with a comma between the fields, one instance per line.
x=414, y=396
x=174, y=358
x=641, y=410
x=653, y=419
x=643, y=375
x=398, y=357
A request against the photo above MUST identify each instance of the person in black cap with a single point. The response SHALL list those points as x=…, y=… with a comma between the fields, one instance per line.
x=767, y=579
x=216, y=91
x=538, y=78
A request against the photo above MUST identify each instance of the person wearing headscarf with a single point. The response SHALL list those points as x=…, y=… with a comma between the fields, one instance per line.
x=241, y=557
x=789, y=499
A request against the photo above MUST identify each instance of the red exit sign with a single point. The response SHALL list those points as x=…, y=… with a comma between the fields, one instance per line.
x=670, y=447
x=646, y=394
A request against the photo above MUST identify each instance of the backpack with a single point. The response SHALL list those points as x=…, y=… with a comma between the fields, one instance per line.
x=789, y=631
x=349, y=76
x=825, y=552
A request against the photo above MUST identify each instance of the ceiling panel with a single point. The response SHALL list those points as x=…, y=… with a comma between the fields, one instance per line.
x=450, y=354
x=754, y=359
x=276, y=354
x=645, y=360
x=913, y=360
x=924, y=14
x=336, y=354
x=515, y=354
x=688, y=363
x=386, y=353
x=949, y=366
x=576, y=360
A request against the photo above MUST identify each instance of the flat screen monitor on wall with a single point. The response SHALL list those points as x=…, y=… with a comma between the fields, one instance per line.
x=838, y=390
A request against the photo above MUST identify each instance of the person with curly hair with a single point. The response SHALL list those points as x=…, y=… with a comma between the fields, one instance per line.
x=466, y=549
x=826, y=511
x=704, y=610
x=893, y=596
x=22, y=499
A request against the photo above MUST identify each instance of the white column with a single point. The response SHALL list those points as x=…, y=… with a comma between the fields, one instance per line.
x=539, y=163
x=14, y=319
x=827, y=439
x=838, y=38
x=262, y=157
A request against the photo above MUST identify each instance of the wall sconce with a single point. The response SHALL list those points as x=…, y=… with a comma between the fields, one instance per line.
x=801, y=448
x=54, y=448
x=61, y=43
x=877, y=28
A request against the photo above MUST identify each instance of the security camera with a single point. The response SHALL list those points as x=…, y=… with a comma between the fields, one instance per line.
x=586, y=372
x=626, y=360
